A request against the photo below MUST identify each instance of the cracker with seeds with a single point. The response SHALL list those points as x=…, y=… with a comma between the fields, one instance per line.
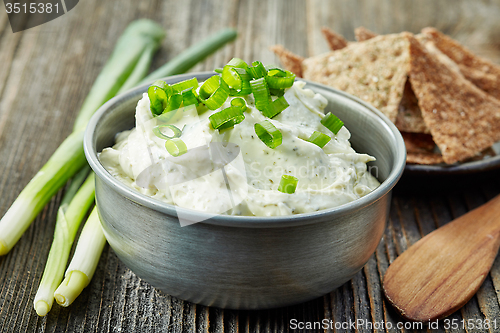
x=409, y=118
x=334, y=40
x=482, y=72
x=374, y=70
x=462, y=119
x=363, y=34
x=289, y=60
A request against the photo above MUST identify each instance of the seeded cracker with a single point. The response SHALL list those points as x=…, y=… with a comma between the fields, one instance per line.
x=334, y=40
x=289, y=60
x=374, y=70
x=409, y=117
x=481, y=72
x=363, y=34
x=462, y=119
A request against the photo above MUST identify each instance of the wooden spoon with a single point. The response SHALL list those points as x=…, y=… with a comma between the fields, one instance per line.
x=442, y=271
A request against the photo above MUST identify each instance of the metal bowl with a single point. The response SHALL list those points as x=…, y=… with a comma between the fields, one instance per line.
x=248, y=262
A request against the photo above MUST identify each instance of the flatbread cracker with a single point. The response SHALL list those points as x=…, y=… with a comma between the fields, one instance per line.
x=334, y=40
x=409, y=118
x=363, y=34
x=374, y=70
x=424, y=158
x=289, y=60
x=482, y=72
x=418, y=142
x=462, y=119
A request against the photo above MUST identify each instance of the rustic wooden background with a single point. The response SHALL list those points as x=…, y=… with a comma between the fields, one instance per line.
x=46, y=72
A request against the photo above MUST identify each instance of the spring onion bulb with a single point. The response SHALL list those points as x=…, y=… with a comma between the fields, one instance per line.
x=68, y=222
x=84, y=262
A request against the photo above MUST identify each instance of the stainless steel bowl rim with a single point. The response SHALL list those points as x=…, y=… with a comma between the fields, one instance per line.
x=244, y=221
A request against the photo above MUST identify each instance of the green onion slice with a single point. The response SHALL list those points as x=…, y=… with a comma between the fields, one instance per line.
x=218, y=70
x=260, y=93
x=174, y=103
x=275, y=108
x=319, y=139
x=184, y=85
x=239, y=102
x=278, y=78
x=268, y=134
x=189, y=97
x=331, y=122
x=257, y=70
x=235, y=72
x=288, y=184
x=157, y=98
x=157, y=130
x=277, y=92
x=227, y=118
x=214, y=92
x=176, y=147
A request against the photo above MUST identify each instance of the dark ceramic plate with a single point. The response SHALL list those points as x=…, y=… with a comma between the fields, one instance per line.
x=485, y=164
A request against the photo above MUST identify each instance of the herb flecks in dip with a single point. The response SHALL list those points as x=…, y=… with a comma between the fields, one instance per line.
x=249, y=154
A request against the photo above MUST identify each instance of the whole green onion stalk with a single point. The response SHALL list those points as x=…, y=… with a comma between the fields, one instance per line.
x=69, y=217
x=138, y=40
x=84, y=262
x=128, y=63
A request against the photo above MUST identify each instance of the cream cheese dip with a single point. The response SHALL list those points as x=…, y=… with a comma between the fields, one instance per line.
x=245, y=180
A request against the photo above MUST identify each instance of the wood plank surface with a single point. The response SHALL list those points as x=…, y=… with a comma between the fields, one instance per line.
x=46, y=72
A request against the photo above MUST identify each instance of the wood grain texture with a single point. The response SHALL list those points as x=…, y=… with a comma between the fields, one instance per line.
x=46, y=72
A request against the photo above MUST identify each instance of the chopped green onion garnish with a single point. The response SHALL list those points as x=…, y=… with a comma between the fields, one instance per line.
x=288, y=184
x=189, y=97
x=275, y=108
x=257, y=70
x=319, y=139
x=214, y=92
x=227, y=118
x=333, y=123
x=239, y=102
x=174, y=103
x=157, y=130
x=260, y=93
x=157, y=97
x=268, y=134
x=277, y=92
x=278, y=78
x=235, y=72
x=218, y=70
x=176, y=147
x=183, y=85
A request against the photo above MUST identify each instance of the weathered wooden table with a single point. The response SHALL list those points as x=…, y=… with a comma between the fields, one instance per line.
x=46, y=72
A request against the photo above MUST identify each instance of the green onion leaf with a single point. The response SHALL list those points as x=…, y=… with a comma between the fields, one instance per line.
x=319, y=139
x=157, y=130
x=268, y=134
x=176, y=147
x=218, y=70
x=275, y=108
x=260, y=93
x=239, y=102
x=214, y=92
x=257, y=70
x=333, y=123
x=227, y=118
x=187, y=84
x=288, y=184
